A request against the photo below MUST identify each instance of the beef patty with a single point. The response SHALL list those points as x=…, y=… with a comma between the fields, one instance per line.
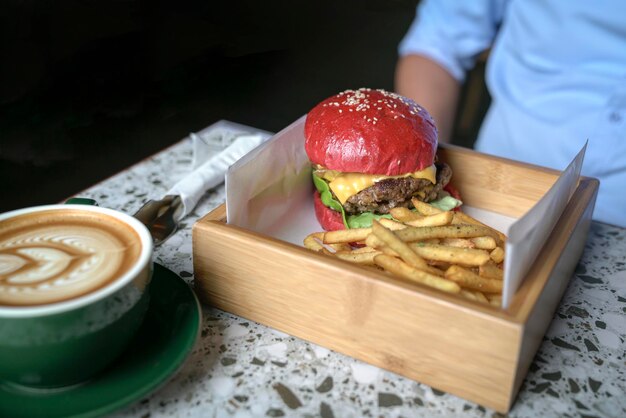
x=390, y=193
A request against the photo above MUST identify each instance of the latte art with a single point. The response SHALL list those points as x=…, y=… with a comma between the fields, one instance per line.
x=51, y=256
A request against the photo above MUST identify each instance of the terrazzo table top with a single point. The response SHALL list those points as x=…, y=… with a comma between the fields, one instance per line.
x=239, y=368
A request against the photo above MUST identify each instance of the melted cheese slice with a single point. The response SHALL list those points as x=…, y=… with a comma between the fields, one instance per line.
x=345, y=185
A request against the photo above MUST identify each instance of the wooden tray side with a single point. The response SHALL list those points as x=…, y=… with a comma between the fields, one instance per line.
x=537, y=300
x=413, y=331
x=500, y=185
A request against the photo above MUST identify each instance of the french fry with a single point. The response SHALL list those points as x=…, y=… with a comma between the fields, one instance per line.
x=497, y=255
x=470, y=280
x=400, y=247
x=453, y=255
x=340, y=246
x=365, y=249
x=346, y=235
x=481, y=297
x=364, y=258
x=391, y=224
x=401, y=269
x=489, y=270
x=458, y=242
x=386, y=250
x=474, y=295
x=433, y=267
x=495, y=299
x=374, y=242
x=463, y=218
x=314, y=241
x=484, y=243
x=438, y=219
x=425, y=208
x=420, y=233
x=404, y=214
x=432, y=241
x=439, y=265
x=357, y=234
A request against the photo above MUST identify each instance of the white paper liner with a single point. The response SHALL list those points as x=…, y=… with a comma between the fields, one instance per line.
x=529, y=233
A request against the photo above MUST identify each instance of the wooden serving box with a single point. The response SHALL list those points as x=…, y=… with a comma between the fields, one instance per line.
x=478, y=352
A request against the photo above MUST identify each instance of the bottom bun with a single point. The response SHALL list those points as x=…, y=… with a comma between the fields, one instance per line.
x=329, y=219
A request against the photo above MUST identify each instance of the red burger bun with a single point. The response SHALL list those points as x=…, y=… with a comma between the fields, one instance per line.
x=372, y=132
x=329, y=219
x=454, y=193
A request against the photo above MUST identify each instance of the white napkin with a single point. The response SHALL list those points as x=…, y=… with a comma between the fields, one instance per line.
x=209, y=168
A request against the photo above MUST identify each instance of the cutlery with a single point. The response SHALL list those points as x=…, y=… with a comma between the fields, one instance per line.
x=160, y=217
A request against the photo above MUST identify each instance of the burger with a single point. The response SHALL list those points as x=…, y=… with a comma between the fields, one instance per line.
x=371, y=151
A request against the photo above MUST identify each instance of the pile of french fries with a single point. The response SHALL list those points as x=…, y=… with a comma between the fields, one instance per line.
x=447, y=250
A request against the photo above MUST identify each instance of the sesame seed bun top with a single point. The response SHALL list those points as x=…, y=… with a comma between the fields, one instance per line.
x=370, y=131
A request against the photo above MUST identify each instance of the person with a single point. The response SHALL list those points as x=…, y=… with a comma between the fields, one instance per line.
x=556, y=73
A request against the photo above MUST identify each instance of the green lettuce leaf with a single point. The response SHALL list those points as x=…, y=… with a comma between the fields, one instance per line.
x=364, y=220
x=446, y=203
x=327, y=197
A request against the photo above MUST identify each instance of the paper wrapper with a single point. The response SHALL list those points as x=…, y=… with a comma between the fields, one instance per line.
x=270, y=191
x=215, y=148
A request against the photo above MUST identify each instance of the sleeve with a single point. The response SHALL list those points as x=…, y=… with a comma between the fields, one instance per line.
x=453, y=32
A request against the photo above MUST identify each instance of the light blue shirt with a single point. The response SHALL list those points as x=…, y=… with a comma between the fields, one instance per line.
x=556, y=74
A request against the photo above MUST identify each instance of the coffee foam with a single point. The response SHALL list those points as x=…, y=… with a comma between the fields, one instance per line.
x=56, y=255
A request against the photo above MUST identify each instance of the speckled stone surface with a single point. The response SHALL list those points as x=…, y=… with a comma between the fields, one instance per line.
x=239, y=368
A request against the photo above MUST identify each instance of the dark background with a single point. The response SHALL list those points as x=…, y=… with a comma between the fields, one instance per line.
x=89, y=87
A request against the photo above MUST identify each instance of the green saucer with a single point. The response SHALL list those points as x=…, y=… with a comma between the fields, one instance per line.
x=160, y=347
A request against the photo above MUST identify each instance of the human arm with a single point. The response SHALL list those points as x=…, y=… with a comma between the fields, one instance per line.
x=439, y=48
x=432, y=86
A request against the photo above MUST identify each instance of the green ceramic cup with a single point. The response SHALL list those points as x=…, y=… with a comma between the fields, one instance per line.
x=73, y=291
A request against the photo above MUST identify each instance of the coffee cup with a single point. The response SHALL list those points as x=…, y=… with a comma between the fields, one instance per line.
x=73, y=291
